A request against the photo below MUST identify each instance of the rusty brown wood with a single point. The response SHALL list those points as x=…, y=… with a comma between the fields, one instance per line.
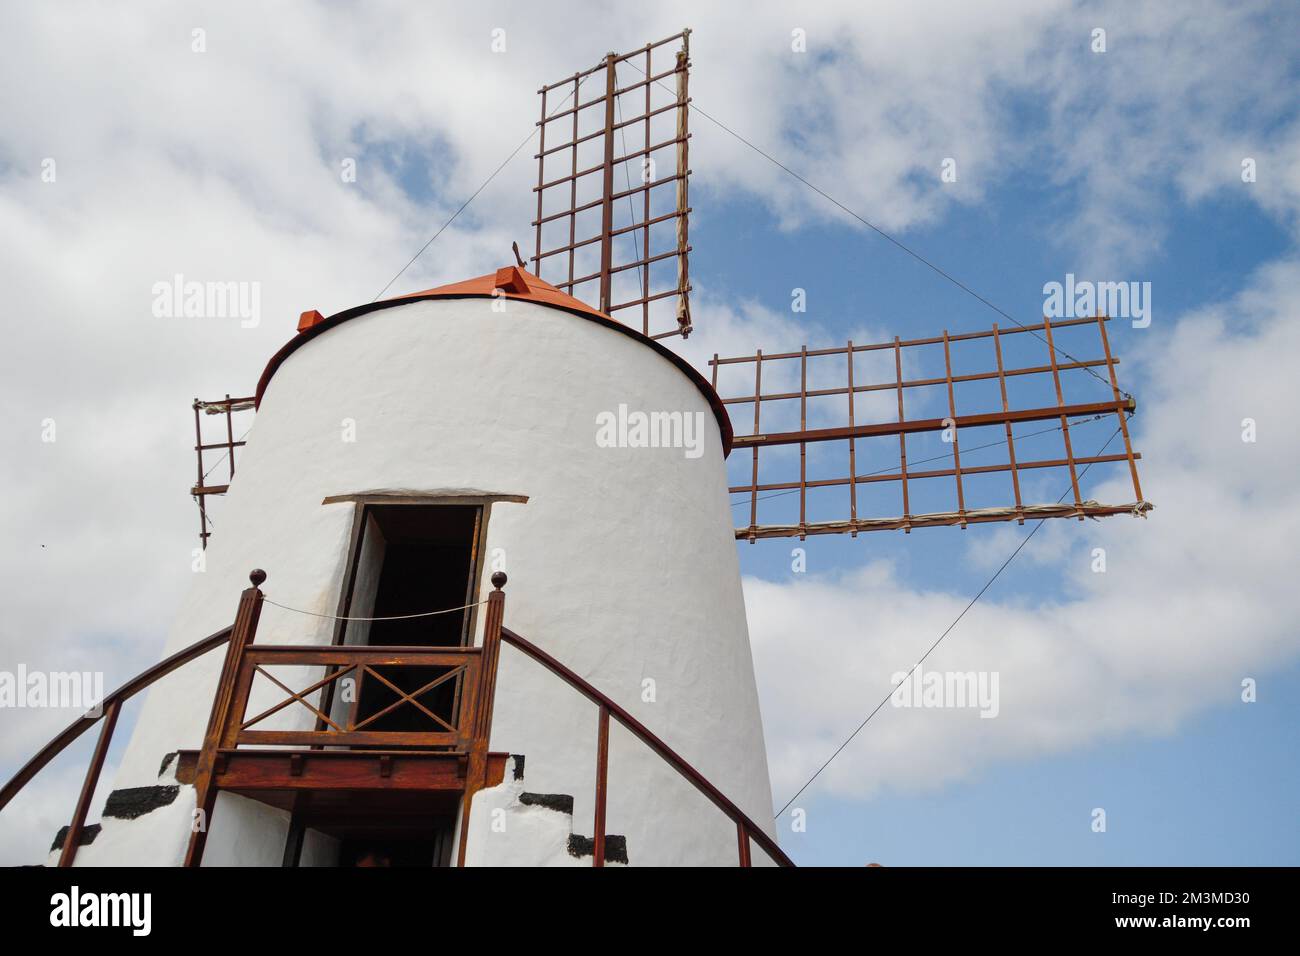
x=242, y=634
x=620, y=58
x=198, y=447
x=1011, y=444
x=480, y=718
x=230, y=438
x=541, y=166
x=931, y=521
x=952, y=414
x=641, y=89
x=1046, y=413
x=374, y=654
x=853, y=458
x=803, y=446
x=248, y=771
x=742, y=839
x=621, y=231
x=404, y=698
x=917, y=382
x=936, y=473
x=909, y=343
x=902, y=439
x=607, y=208
x=643, y=733
x=758, y=406
x=77, y=826
x=573, y=185
x=1123, y=418
x=122, y=694
x=347, y=738
x=298, y=696
x=602, y=787
x=682, y=66
x=645, y=212
x=1060, y=400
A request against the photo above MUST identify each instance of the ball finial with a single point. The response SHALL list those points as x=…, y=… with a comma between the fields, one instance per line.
x=257, y=576
x=498, y=579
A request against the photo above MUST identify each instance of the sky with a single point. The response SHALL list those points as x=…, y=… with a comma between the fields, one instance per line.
x=129, y=155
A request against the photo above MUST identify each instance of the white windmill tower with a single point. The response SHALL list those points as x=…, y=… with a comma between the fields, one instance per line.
x=417, y=459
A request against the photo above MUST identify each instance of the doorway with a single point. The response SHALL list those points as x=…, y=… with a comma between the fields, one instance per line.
x=410, y=560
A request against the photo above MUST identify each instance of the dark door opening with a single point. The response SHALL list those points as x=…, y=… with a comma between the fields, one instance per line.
x=411, y=560
x=367, y=852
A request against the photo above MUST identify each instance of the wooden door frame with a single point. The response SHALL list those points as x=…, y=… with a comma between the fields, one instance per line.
x=360, y=512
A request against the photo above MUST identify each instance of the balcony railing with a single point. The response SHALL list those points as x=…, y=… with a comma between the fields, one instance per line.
x=450, y=722
x=459, y=723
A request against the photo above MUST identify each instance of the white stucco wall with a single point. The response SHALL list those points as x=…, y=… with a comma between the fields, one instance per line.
x=622, y=563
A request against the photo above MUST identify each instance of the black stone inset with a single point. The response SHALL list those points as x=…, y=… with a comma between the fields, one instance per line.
x=560, y=802
x=615, y=847
x=88, y=834
x=519, y=765
x=137, y=801
x=166, y=762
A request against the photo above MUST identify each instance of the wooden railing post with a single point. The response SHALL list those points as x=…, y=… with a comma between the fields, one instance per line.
x=242, y=634
x=73, y=839
x=496, y=609
x=742, y=836
x=602, y=788
x=485, y=697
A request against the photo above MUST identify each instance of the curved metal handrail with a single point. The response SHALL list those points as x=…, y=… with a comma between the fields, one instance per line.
x=110, y=705
x=747, y=828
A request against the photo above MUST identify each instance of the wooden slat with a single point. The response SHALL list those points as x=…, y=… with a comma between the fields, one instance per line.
x=88, y=785
x=1045, y=413
x=758, y=407
x=911, y=343
x=902, y=439
x=1060, y=400
x=913, y=382
x=914, y=475
x=952, y=413
x=1011, y=444
x=356, y=738
x=602, y=787
x=1123, y=418
x=853, y=459
x=803, y=446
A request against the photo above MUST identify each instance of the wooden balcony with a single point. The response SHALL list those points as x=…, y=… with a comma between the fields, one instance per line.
x=400, y=734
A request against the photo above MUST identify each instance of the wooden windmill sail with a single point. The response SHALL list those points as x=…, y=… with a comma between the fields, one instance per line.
x=846, y=438
x=953, y=428
x=612, y=187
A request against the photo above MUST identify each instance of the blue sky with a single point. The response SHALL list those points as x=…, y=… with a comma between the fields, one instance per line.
x=1119, y=690
x=1224, y=787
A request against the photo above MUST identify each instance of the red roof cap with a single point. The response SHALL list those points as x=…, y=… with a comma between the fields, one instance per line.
x=514, y=283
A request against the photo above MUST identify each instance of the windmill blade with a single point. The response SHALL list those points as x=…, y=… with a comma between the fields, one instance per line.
x=953, y=429
x=612, y=187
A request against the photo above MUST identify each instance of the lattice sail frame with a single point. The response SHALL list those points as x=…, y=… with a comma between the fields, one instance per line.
x=226, y=407
x=1013, y=404
x=607, y=256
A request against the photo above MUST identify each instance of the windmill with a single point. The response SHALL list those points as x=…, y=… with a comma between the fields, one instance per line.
x=413, y=456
